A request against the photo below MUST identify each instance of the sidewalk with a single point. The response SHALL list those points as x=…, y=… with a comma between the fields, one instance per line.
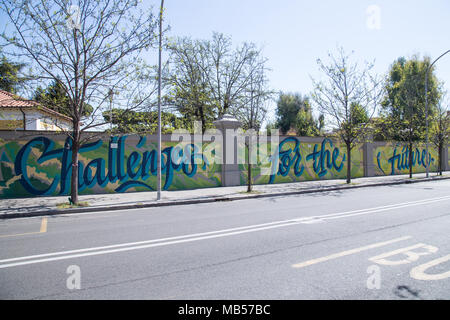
x=38, y=206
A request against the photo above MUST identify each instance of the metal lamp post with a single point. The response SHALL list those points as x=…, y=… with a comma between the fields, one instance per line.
x=426, y=110
x=158, y=178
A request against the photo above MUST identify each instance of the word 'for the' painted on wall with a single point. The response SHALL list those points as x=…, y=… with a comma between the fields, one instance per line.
x=287, y=158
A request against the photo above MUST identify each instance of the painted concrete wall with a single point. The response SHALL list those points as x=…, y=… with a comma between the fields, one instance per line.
x=40, y=165
x=303, y=159
x=393, y=158
x=37, y=164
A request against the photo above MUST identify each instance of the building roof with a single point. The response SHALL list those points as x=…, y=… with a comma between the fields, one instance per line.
x=11, y=101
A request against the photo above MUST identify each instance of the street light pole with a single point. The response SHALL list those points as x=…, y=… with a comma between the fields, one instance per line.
x=426, y=109
x=110, y=94
x=158, y=178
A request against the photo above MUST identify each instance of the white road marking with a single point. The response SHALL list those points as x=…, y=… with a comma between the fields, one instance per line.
x=103, y=250
x=418, y=272
x=5, y=263
x=376, y=209
x=348, y=252
x=411, y=256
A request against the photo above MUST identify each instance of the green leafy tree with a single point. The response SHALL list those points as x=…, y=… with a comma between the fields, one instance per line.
x=306, y=125
x=10, y=79
x=288, y=106
x=294, y=111
x=144, y=122
x=403, y=107
x=270, y=125
x=440, y=131
x=55, y=97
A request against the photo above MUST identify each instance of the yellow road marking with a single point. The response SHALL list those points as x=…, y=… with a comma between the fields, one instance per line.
x=43, y=225
x=17, y=234
x=43, y=229
x=348, y=252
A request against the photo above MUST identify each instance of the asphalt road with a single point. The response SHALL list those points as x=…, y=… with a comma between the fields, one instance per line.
x=372, y=243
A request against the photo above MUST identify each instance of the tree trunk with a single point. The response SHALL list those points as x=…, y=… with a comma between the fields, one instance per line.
x=441, y=147
x=410, y=160
x=202, y=118
x=249, y=171
x=349, y=162
x=75, y=149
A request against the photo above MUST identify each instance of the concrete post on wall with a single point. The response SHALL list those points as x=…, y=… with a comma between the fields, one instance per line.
x=444, y=157
x=368, y=147
x=368, y=159
x=228, y=125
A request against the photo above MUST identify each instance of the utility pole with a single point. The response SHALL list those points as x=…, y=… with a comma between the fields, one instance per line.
x=158, y=182
x=426, y=109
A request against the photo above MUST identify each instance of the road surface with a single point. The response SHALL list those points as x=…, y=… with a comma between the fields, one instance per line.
x=389, y=242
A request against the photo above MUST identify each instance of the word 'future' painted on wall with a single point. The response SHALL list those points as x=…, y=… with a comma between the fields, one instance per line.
x=400, y=160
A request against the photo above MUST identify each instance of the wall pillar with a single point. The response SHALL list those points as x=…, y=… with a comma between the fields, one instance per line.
x=369, y=170
x=444, y=157
x=228, y=125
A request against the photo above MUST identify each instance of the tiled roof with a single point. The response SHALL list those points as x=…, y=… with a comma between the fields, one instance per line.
x=9, y=100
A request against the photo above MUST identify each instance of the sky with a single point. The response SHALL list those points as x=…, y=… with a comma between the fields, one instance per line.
x=293, y=34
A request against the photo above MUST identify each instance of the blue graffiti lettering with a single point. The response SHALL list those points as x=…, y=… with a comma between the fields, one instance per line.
x=131, y=171
x=286, y=159
x=400, y=161
x=323, y=160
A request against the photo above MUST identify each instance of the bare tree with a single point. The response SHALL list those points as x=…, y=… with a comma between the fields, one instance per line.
x=349, y=98
x=208, y=78
x=253, y=109
x=90, y=48
x=227, y=72
x=189, y=92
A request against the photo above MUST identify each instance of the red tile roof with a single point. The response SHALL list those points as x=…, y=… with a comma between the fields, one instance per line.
x=9, y=100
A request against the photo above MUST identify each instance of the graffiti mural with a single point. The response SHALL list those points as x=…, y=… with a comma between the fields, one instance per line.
x=393, y=158
x=301, y=161
x=43, y=166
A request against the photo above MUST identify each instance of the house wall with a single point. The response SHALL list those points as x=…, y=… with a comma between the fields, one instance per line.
x=12, y=119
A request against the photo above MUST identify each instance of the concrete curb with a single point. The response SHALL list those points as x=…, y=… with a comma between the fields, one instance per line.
x=209, y=200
